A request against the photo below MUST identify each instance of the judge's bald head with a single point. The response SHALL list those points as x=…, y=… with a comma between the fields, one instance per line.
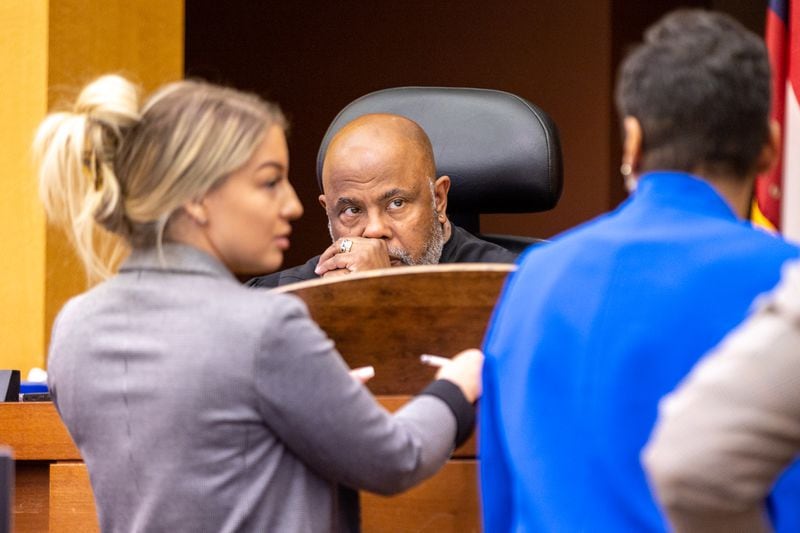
x=379, y=181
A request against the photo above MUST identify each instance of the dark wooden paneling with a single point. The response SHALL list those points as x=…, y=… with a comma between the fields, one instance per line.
x=31, y=497
x=446, y=503
x=315, y=57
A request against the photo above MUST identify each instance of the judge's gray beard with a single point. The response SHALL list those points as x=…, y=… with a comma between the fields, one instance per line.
x=433, y=246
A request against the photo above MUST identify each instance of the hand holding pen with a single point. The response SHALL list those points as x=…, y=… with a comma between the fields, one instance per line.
x=464, y=370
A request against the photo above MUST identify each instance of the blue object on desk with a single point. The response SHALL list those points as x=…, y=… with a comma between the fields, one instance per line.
x=27, y=387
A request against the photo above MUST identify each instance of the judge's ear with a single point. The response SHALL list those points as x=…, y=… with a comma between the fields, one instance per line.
x=771, y=151
x=322, y=202
x=441, y=187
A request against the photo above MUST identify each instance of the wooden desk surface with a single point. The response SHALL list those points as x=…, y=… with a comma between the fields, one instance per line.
x=35, y=432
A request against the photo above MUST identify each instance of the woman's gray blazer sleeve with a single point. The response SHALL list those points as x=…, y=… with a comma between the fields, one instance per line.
x=332, y=422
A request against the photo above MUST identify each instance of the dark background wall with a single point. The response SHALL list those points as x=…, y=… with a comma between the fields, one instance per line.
x=315, y=57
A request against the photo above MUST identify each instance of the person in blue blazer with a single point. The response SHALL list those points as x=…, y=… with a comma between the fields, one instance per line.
x=595, y=327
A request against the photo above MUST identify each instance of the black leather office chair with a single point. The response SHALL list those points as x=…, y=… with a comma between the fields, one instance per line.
x=501, y=152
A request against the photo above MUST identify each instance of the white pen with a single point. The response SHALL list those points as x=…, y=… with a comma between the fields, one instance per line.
x=363, y=373
x=433, y=360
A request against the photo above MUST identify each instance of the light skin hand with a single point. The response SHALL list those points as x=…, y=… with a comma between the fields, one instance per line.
x=465, y=371
x=364, y=254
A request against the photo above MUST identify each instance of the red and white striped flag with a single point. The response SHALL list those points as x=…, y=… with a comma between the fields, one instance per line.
x=777, y=197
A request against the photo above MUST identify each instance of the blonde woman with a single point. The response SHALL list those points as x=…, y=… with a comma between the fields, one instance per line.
x=199, y=404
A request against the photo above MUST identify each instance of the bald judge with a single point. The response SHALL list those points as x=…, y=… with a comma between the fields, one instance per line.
x=385, y=205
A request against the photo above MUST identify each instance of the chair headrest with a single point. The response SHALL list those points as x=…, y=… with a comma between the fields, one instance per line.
x=501, y=152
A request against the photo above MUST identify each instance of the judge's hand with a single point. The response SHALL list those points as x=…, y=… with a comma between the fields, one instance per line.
x=465, y=371
x=363, y=254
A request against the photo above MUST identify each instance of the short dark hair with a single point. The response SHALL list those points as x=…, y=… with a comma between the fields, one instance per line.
x=699, y=85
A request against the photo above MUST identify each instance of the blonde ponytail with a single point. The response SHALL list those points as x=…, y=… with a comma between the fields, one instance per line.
x=75, y=152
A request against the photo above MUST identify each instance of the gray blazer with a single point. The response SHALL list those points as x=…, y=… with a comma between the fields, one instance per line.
x=202, y=405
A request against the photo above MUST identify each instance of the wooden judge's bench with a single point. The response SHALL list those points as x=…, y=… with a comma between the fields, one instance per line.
x=381, y=318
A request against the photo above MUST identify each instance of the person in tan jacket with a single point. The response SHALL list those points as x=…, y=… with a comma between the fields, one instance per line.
x=726, y=434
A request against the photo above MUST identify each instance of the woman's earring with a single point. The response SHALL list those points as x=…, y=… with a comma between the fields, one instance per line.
x=627, y=175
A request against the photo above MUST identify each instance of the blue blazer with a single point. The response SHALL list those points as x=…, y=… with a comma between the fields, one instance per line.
x=590, y=333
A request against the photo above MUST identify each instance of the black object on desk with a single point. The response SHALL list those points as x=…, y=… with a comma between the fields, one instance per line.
x=36, y=397
x=9, y=385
